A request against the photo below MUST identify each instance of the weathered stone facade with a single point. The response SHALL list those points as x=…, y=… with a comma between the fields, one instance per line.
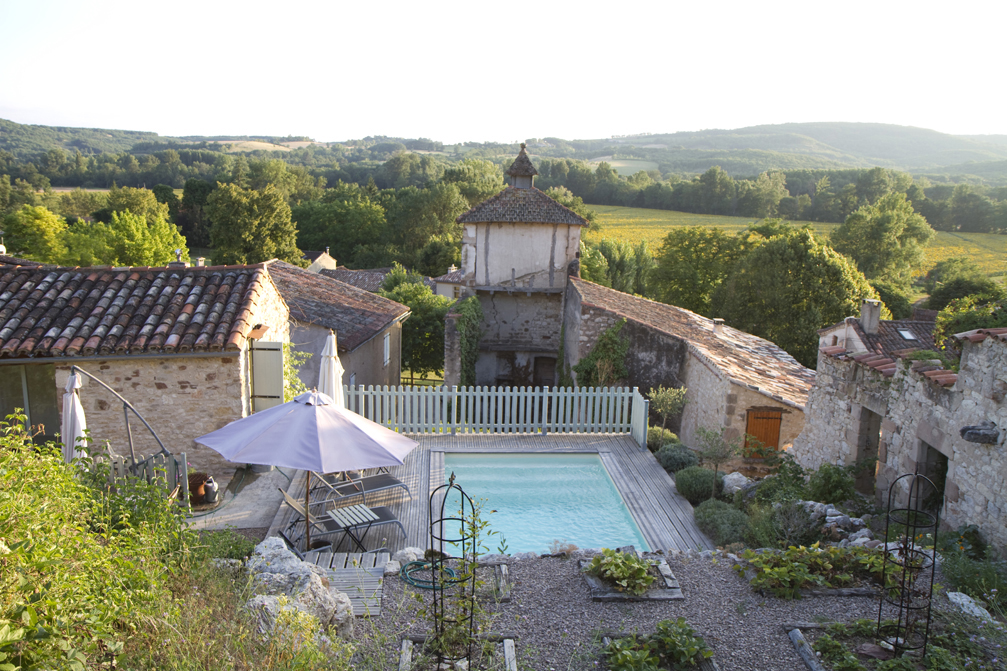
x=919, y=420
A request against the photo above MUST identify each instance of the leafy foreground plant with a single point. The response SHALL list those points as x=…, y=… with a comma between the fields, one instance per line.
x=622, y=570
x=673, y=645
x=786, y=573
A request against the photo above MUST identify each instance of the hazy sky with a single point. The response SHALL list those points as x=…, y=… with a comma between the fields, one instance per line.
x=504, y=71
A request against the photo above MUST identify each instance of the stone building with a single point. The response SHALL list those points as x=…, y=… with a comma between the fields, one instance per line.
x=870, y=333
x=183, y=345
x=368, y=327
x=520, y=258
x=734, y=379
x=319, y=261
x=516, y=249
x=917, y=416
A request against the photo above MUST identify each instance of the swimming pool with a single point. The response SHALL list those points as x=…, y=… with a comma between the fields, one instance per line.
x=541, y=498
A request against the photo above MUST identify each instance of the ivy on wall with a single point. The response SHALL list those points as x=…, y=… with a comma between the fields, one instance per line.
x=607, y=361
x=470, y=316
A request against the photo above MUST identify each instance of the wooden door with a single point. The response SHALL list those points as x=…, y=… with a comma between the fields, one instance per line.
x=764, y=426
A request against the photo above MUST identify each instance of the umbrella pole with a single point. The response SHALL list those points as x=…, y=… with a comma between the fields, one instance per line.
x=307, y=513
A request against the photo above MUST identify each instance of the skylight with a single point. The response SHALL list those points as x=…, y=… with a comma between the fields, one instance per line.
x=908, y=335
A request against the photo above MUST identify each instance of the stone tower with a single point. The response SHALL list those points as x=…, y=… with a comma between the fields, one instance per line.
x=516, y=249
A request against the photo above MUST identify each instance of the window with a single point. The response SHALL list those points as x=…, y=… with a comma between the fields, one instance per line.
x=835, y=340
x=388, y=348
x=32, y=388
x=908, y=335
x=457, y=291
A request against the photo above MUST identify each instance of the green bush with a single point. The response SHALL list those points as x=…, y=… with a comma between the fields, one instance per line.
x=696, y=484
x=658, y=438
x=624, y=571
x=831, y=484
x=782, y=526
x=722, y=522
x=673, y=645
x=785, y=574
x=985, y=580
x=224, y=544
x=675, y=457
x=785, y=484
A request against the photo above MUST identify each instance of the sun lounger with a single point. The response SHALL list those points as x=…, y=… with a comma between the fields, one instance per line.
x=355, y=522
x=335, y=488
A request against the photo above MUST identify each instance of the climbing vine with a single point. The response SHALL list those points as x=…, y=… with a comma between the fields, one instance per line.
x=607, y=361
x=470, y=314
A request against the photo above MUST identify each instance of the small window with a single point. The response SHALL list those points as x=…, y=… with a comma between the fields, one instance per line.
x=835, y=340
x=908, y=335
x=458, y=291
x=388, y=348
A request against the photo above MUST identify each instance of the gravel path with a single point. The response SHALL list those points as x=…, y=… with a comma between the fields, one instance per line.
x=557, y=623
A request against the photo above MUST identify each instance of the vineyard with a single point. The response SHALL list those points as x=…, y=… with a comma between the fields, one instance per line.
x=633, y=225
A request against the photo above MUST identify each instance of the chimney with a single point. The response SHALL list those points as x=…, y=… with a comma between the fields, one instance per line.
x=870, y=315
x=201, y=261
x=178, y=262
x=326, y=250
x=718, y=325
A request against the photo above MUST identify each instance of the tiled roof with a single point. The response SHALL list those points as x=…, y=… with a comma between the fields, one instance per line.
x=355, y=314
x=15, y=261
x=889, y=339
x=368, y=280
x=522, y=166
x=743, y=358
x=886, y=365
x=311, y=256
x=513, y=205
x=978, y=335
x=52, y=311
x=924, y=315
x=455, y=275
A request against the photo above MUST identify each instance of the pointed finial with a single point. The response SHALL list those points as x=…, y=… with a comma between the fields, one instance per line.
x=523, y=145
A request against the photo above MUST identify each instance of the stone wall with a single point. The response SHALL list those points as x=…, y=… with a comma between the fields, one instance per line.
x=918, y=414
x=516, y=328
x=181, y=397
x=706, y=399
x=366, y=361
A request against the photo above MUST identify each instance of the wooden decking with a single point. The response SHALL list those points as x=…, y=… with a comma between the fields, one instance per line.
x=663, y=516
x=357, y=575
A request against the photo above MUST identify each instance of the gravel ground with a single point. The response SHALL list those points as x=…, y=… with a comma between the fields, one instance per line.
x=557, y=624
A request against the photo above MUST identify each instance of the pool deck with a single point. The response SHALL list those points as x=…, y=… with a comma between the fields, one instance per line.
x=663, y=516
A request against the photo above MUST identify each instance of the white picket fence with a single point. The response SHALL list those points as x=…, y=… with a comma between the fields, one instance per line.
x=503, y=409
x=170, y=472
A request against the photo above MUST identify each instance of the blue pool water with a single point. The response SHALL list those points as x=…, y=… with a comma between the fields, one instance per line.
x=541, y=498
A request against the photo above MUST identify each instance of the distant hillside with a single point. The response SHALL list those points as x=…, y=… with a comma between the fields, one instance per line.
x=28, y=141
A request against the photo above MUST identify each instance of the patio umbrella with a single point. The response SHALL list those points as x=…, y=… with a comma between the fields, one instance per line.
x=74, y=424
x=330, y=378
x=310, y=433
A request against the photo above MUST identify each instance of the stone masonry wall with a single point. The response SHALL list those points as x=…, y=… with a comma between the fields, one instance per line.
x=181, y=397
x=919, y=413
x=707, y=400
x=741, y=399
x=832, y=417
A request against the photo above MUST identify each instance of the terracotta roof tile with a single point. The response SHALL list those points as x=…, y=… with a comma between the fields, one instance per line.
x=355, y=314
x=455, y=275
x=743, y=358
x=890, y=339
x=368, y=280
x=513, y=205
x=50, y=311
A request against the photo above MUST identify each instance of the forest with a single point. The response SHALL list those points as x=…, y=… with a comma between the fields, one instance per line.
x=382, y=201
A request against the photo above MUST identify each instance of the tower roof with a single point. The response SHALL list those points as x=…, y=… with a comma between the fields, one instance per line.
x=522, y=166
x=513, y=205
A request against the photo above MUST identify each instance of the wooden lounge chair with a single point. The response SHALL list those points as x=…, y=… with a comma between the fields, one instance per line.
x=334, y=487
x=325, y=526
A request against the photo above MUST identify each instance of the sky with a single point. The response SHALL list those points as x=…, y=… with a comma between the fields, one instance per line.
x=499, y=71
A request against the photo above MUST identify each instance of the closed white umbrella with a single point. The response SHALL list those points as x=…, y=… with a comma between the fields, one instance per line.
x=311, y=433
x=74, y=423
x=330, y=378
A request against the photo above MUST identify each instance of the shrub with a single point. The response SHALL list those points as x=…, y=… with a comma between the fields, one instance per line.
x=658, y=437
x=782, y=526
x=624, y=571
x=722, y=522
x=985, y=580
x=675, y=457
x=225, y=544
x=831, y=484
x=786, y=484
x=673, y=645
x=696, y=484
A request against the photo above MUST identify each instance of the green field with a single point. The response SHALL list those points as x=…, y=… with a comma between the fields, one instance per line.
x=626, y=166
x=634, y=224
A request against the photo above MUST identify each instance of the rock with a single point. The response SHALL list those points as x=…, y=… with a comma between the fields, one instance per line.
x=272, y=583
x=273, y=556
x=392, y=568
x=524, y=555
x=968, y=605
x=857, y=523
x=407, y=555
x=734, y=482
x=494, y=559
x=706, y=554
x=843, y=521
x=873, y=544
x=867, y=519
x=984, y=433
x=857, y=542
x=585, y=553
x=844, y=543
x=863, y=533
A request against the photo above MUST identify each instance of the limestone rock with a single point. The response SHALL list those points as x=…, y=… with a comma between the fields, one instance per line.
x=392, y=568
x=733, y=482
x=407, y=555
x=862, y=533
x=493, y=559
x=524, y=555
x=969, y=606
